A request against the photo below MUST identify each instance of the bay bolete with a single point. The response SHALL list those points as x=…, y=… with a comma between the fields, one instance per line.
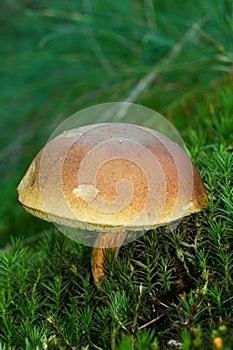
x=114, y=181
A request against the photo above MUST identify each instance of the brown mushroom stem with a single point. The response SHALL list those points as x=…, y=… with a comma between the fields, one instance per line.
x=105, y=242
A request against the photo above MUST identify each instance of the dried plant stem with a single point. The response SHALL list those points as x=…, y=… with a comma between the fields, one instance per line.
x=145, y=81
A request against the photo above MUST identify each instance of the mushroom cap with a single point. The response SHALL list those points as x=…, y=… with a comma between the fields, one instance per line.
x=110, y=176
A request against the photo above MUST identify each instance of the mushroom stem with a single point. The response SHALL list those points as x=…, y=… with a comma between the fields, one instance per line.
x=105, y=242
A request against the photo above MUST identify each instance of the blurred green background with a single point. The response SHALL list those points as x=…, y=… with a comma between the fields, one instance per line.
x=58, y=57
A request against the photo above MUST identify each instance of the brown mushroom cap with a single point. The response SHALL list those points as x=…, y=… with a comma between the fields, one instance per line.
x=106, y=176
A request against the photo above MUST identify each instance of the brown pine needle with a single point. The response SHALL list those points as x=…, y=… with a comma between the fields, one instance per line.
x=152, y=321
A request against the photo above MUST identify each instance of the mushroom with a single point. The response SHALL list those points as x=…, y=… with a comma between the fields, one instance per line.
x=112, y=182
